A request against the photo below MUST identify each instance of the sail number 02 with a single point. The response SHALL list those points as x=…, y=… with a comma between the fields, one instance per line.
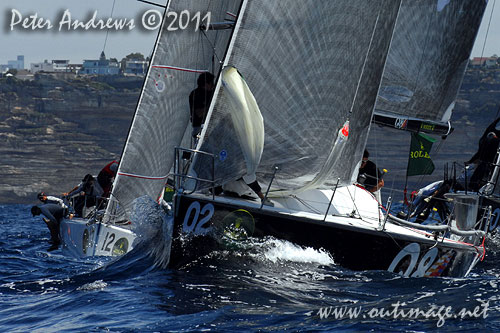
x=182, y=20
x=196, y=225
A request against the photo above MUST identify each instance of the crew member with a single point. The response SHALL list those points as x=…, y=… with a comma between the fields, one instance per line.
x=106, y=176
x=53, y=213
x=87, y=194
x=49, y=199
x=369, y=176
x=199, y=101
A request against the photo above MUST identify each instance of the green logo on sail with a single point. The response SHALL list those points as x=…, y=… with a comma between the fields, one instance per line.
x=420, y=162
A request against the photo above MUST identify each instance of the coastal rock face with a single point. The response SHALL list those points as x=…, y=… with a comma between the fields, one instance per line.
x=54, y=131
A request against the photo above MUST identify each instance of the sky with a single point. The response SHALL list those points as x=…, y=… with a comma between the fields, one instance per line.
x=39, y=44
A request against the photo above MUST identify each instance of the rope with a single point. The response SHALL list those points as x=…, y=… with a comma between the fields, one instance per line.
x=488, y=29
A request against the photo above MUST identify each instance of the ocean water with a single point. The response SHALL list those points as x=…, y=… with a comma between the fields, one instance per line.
x=255, y=285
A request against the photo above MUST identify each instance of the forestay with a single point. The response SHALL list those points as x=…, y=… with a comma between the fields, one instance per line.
x=162, y=115
x=427, y=59
x=311, y=65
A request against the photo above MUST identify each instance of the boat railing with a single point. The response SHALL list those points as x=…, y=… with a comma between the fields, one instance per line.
x=442, y=227
x=92, y=213
x=183, y=160
x=491, y=186
x=465, y=217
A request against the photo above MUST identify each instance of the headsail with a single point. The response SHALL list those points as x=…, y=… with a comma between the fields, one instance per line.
x=311, y=65
x=162, y=115
x=426, y=63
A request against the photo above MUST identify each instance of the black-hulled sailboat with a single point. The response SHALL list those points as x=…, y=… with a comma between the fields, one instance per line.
x=310, y=72
x=297, y=85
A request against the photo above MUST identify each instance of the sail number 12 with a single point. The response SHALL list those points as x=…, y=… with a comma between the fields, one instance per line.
x=108, y=240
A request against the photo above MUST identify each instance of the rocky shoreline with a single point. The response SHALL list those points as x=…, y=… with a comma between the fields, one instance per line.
x=54, y=131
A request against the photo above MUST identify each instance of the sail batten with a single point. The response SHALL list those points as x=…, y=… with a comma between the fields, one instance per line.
x=175, y=68
x=162, y=117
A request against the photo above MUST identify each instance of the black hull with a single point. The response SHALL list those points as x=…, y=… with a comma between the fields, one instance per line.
x=351, y=247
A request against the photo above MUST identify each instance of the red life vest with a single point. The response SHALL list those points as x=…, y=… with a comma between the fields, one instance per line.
x=107, y=169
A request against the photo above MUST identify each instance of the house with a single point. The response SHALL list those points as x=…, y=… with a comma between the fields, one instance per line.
x=60, y=65
x=136, y=67
x=42, y=67
x=24, y=74
x=102, y=66
x=488, y=62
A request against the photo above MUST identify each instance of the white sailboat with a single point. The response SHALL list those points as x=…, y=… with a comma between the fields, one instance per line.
x=159, y=125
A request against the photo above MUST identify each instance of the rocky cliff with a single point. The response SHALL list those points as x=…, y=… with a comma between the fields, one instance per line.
x=54, y=131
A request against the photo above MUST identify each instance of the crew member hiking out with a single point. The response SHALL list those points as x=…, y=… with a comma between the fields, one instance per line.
x=53, y=213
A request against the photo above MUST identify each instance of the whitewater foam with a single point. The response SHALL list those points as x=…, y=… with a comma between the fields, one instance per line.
x=154, y=228
x=280, y=250
x=96, y=285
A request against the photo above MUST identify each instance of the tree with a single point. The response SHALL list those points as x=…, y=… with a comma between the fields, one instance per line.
x=12, y=71
x=135, y=56
x=132, y=56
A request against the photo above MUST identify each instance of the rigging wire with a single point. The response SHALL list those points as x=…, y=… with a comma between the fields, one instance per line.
x=107, y=31
x=488, y=29
x=486, y=39
x=153, y=3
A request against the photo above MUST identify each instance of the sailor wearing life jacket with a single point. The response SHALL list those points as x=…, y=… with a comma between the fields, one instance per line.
x=105, y=177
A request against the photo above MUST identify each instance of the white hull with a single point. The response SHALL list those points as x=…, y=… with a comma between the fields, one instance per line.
x=97, y=239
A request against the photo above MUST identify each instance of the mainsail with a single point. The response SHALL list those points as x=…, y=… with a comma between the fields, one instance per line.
x=162, y=114
x=426, y=63
x=312, y=66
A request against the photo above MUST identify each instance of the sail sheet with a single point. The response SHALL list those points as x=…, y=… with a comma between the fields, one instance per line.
x=311, y=66
x=427, y=60
x=162, y=114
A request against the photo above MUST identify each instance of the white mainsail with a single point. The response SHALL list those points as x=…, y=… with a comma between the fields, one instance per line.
x=312, y=66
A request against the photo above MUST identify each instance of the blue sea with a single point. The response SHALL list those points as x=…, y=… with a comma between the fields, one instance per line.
x=256, y=285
